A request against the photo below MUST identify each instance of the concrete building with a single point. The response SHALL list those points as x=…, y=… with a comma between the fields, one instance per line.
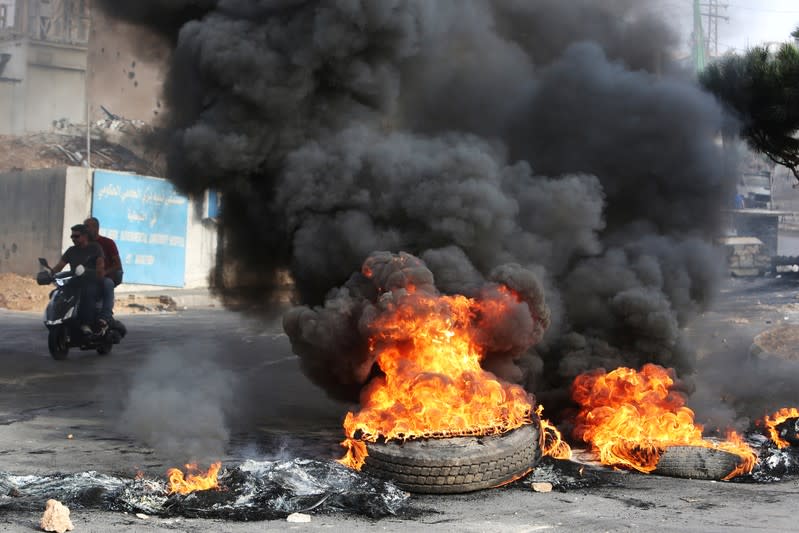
x=59, y=59
x=43, y=57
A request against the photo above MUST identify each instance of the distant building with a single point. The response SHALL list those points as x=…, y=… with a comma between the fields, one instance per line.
x=43, y=57
x=62, y=62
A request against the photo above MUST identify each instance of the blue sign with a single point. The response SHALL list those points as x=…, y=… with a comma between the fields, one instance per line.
x=213, y=204
x=147, y=219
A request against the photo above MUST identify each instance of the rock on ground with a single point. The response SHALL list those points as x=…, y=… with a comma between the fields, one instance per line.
x=56, y=517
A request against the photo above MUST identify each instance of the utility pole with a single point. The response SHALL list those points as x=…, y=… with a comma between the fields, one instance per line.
x=712, y=8
x=698, y=47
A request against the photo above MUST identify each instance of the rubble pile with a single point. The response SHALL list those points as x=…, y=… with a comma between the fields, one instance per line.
x=114, y=143
x=20, y=293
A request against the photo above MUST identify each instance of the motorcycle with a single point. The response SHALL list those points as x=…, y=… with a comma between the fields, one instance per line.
x=61, y=315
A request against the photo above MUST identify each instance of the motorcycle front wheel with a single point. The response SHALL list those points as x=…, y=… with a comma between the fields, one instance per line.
x=57, y=343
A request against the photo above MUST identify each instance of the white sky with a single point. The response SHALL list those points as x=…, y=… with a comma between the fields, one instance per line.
x=751, y=22
x=754, y=22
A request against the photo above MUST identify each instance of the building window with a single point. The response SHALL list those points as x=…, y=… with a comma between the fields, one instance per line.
x=3, y=16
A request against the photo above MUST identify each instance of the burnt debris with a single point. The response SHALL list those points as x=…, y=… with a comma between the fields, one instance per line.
x=253, y=490
x=789, y=431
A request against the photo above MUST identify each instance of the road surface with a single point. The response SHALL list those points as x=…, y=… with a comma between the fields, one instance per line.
x=71, y=416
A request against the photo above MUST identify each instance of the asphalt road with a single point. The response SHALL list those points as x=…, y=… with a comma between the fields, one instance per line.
x=74, y=416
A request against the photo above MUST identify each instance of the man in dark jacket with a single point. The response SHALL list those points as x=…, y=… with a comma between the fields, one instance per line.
x=90, y=255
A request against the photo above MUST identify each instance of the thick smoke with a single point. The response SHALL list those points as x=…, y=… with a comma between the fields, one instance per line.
x=389, y=282
x=556, y=136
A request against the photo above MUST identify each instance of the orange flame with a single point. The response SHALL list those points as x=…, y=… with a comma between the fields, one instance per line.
x=776, y=419
x=193, y=481
x=630, y=418
x=552, y=444
x=433, y=386
x=356, y=453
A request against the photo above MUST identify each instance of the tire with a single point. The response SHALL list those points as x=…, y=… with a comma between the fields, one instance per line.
x=457, y=464
x=696, y=462
x=57, y=343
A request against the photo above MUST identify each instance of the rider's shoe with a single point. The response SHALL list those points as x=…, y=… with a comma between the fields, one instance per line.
x=102, y=326
x=85, y=329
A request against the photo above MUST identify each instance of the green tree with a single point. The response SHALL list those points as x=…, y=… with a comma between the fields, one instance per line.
x=761, y=89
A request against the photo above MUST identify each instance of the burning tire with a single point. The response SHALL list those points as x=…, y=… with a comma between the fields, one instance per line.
x=696, y=462
x=456, y=464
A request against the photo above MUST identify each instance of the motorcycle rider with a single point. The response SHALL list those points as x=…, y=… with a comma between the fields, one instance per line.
x=90, y=255
x=113, y=269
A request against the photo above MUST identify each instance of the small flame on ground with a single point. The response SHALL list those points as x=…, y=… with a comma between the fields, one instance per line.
x=771, y=422
x=630, y=418
x=514, y=478
x=356, y=453
x=552, y=443
x=194, y=480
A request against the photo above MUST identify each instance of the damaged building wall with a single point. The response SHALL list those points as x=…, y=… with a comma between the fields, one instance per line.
x=55, y=85
x=125, y=73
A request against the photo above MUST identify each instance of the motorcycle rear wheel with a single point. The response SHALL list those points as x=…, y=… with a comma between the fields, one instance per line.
x=57, y=343
x=105, y=348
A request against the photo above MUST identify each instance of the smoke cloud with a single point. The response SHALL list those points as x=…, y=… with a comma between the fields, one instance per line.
x=551, y=144
x=179, y=404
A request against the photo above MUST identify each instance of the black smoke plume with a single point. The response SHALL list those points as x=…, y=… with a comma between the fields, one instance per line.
x=557, y=136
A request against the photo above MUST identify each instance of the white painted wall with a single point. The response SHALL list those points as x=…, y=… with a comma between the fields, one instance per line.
x=201, y=243
x=77, y=200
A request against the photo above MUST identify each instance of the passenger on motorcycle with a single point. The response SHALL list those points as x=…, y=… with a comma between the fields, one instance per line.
x=90, y=255
x=113, y=268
